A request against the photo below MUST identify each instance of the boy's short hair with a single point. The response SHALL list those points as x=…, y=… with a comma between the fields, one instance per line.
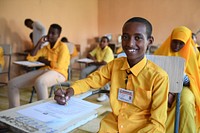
x=145, y=22
x=56, y=26
x=64, y=39
x=27, y=21
x=105, y=38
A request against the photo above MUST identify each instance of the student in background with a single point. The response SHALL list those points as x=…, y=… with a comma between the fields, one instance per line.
x=72, y=50
x=180, y=43
x=38, y=30
x=56, y=58
x=144, y=107
x=1, y=59
x=101, y=55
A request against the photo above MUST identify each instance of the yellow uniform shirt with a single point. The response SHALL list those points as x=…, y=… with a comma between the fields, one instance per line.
x=150, y=85
x=103, y=55
x=1, y=57
x=58, y=56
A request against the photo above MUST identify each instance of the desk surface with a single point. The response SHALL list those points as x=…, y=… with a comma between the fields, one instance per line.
x=15, y=119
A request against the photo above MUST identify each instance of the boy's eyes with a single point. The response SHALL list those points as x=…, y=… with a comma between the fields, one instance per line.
x=127, y=37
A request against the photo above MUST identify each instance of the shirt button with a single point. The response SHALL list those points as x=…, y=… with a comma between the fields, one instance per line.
x=121, y=126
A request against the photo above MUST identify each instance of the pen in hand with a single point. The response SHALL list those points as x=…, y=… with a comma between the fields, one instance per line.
x=63, y=94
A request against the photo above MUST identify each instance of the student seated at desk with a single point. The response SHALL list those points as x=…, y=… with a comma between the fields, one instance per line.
x=72, y=50
x=1, y=59
x=139, y=88
x=180, y=43
x=101, y=55
x=56, y=58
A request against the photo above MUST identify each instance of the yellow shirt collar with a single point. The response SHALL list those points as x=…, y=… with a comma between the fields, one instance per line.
x=135, y=70
x=56, y=45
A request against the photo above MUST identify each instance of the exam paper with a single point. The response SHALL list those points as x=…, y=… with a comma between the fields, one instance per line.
x=52, y=112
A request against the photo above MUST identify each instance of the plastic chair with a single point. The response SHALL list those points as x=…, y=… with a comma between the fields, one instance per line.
x=7, y=48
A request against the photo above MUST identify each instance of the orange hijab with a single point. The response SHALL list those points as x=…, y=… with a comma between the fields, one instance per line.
x=191, y=65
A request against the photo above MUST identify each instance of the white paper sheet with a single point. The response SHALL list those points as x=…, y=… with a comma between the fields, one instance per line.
x=29, y=63
x=85, y=60
x=52, y=112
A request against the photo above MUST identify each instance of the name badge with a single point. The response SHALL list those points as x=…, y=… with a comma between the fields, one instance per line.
x=125, y=95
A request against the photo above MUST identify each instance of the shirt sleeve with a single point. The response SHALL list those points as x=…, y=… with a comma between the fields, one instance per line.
x=40, y=53
x=93, y=52
x=108, y=56
x=95, y=80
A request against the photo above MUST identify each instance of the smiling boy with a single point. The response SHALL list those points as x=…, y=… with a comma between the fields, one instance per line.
x=139, y=88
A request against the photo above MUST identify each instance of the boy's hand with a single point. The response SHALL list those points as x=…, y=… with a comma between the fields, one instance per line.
x=62, y=96
x=171, y=97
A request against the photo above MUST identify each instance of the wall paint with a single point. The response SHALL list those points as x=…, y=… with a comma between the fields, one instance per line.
x=163, y=14
x=82, y=20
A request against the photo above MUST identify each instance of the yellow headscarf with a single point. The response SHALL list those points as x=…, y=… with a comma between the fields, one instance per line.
x=191, y=65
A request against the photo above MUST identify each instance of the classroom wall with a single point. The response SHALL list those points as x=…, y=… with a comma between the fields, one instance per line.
x=82, y=20
x=163, y=14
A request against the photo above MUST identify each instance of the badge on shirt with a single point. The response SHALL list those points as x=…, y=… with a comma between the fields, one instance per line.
x=125, y=95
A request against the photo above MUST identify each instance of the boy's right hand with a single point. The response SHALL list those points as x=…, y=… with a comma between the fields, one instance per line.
x=62, y=96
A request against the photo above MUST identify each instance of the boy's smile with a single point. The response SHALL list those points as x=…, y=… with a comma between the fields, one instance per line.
x=134, y=41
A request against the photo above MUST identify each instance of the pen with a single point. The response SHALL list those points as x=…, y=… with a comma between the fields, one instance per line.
x=63, y=94
x=60, y=87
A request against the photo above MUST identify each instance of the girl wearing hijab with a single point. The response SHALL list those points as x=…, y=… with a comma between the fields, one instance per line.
x=180, y=43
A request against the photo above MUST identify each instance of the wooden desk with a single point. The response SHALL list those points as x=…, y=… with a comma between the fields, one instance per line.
x=21, y=123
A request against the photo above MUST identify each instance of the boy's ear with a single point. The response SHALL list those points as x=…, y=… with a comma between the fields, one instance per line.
x=151, y=40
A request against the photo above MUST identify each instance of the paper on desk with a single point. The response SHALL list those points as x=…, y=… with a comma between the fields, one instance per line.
x=51, y=111
x=29, y=63
x=85, y=60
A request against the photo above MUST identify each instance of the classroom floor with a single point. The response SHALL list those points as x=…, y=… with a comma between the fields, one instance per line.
x=25, y=97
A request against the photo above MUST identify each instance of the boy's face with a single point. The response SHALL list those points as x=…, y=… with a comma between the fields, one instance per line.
x=53, y=35
x=134, y=40
x=177, y=45
x=103, y=43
